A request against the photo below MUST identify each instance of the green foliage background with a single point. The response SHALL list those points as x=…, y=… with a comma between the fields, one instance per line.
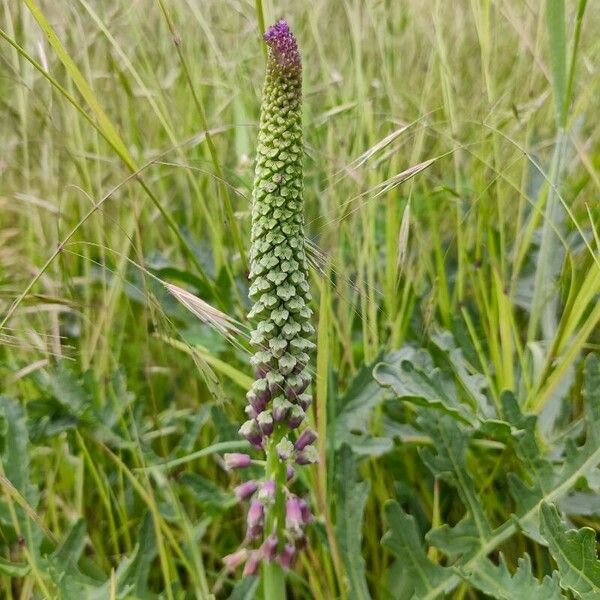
x=452, y=159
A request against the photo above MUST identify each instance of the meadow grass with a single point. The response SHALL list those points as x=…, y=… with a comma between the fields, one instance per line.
x=452, y=178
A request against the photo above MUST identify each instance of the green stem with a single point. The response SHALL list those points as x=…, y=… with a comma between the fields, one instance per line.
x=260, y=15
x=273, y=574
x=273, y=581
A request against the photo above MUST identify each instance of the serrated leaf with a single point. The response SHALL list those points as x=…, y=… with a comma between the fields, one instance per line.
x=409, y=382
x=538, y=468
x=15, y=454
x=403, y=540
x=70, y=400
x=581, y=462
x=449, y=463
x=351, y=423
x=398, y=583
x=574, y=551
x=66, y=389
x=581, y=503
x=496, y=429
x=499, y=583
x=351, y=494
x=459, y=542
x=412, y=377
x=131, y=575
x=16, y=478
x=472, y=383
x=61, y=565
x=549, y=483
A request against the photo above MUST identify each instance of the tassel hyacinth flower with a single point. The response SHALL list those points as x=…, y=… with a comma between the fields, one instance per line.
x=279, y=398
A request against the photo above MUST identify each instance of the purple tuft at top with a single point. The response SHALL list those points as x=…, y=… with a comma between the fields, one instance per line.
x=283, y=46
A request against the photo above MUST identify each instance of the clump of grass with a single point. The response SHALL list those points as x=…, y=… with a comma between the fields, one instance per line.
x=456, y=388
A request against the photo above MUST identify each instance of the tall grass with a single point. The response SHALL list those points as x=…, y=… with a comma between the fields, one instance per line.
x=452, y=160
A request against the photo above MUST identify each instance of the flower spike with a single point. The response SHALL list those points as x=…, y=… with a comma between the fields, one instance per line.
x=281, y=314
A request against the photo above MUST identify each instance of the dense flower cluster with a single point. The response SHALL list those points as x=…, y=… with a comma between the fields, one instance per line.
x=278, y=399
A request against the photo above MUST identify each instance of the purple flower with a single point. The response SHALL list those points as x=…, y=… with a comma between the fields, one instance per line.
x=256, y=403
x=251, y=432
x=275, y=381
x=281, y=408
x=293, y=516
x=290, y=393
x=255, y=520
x=289, y=472
x=235, y=559
x=250, y=412
x=267, y=491
x=265, y=422
x=269, y=547
x=286, y=558
x=236, y=460
x=296, y=417
x=256, y=514
x=245, y=490
x=308, y=456
x=283, y=47
x=254, y=533
x=259, y=395
x=260, y=372
x=305, y=400
x=305, y=510
x=261, y=387
x=285, y=448
x=251, y=566
x=307, y=437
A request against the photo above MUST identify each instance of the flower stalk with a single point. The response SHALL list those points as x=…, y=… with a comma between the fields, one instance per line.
x=281, y=314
